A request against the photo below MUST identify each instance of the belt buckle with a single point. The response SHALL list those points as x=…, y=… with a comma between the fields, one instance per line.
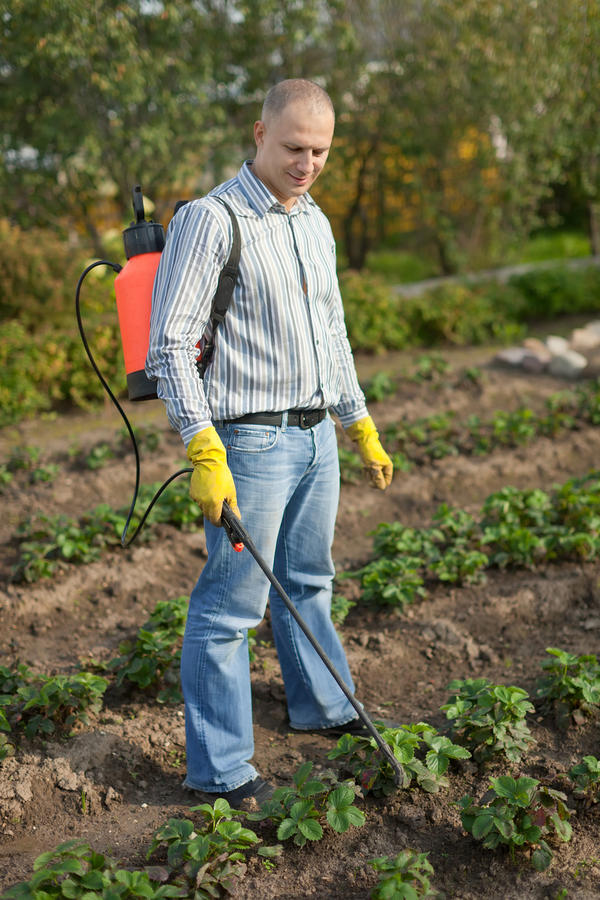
x=308, y=419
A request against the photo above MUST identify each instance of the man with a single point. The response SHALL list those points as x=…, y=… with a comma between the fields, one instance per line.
x=258, y=433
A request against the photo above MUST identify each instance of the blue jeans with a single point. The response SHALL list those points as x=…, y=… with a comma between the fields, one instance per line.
x=287, y=482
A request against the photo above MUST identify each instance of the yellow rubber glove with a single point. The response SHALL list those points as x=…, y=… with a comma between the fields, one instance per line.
x=377, y=463
x=212, y=482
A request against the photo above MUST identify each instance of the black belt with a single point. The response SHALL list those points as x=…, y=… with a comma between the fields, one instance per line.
x=303, y=418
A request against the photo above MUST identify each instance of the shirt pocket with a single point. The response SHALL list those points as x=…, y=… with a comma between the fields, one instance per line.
x=250, y=438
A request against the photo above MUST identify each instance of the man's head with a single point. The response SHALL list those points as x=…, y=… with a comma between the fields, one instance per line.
x=293, y=138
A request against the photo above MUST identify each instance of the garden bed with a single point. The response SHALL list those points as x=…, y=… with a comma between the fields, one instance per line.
x=118, y=778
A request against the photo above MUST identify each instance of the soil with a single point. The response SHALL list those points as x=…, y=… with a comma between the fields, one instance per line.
x=129, y=761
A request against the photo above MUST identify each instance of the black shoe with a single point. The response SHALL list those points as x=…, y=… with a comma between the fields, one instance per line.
x=355, y=728
x=258, y=788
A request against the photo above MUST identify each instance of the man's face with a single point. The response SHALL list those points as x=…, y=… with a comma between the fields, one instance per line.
x=291, y=150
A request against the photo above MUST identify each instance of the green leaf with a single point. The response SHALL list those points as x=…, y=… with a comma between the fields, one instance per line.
x=311, y=829
x=286, y=829
x=482, y=825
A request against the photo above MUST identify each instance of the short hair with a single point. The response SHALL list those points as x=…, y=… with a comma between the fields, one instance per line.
x=296, y=89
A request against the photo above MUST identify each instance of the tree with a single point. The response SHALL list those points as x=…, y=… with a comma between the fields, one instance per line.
x=96, y=97
x=455, y=122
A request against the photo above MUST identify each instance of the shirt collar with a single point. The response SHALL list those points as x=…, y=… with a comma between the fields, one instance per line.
x=260, y=197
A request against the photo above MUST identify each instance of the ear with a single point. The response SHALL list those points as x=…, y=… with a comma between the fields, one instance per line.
x=259, y=132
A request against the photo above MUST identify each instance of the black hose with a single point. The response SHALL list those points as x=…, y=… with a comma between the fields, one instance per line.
x=124, y=543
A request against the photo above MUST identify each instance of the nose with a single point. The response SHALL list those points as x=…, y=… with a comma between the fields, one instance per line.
x=305, y=162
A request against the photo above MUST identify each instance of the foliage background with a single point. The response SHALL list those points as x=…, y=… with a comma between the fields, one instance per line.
x=463, y=130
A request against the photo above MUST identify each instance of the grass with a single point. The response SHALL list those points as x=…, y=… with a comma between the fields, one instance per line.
x=402, y=266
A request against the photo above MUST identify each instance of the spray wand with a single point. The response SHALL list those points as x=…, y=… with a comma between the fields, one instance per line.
x=239, y=538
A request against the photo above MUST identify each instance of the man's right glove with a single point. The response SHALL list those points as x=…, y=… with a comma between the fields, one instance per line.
x=377, y=463
x=211, y=482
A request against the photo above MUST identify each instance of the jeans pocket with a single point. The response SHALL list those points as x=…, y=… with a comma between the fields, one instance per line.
x=250, y=438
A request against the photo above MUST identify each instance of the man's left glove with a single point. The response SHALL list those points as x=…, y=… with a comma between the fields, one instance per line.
x=212, y=481
x=377, y=463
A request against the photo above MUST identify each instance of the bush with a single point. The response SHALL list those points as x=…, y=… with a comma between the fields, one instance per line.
x=46, y=369
x=38, y=275
x=457, y=314
x=373, y=315
x=557, y=291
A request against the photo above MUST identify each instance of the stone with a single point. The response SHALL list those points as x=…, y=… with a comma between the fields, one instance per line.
x=584, y=339
x=569, y=364
x=556, y=345
x=520, y=357
x=23, y=790
x=510, y=356
x=538, y=347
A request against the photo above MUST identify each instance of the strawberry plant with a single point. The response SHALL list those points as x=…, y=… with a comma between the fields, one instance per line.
x=518, y=813
x=430, y=367
x=99, y=456
x=351, y=467
x=154, y=655
x=391, y=582
x=379, y=387
x=207, y=859
x=571, y=685
x=340, y=607
x=403, y=876
x=488, y=718
x=586, y=778
x=301, y=811
x=362, y=759
x=46, y=703
x=46, y=543
x=76, y=871
x=6, y=748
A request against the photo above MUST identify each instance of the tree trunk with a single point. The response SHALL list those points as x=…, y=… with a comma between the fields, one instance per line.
x=356, y=224
x=594, y=226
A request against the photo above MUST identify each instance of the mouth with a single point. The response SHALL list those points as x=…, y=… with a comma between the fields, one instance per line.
x=299, y=179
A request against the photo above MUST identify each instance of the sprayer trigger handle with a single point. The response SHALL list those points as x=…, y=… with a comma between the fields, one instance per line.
x=233, y=528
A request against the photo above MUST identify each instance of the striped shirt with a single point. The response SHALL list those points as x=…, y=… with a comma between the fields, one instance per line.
x=283, y=343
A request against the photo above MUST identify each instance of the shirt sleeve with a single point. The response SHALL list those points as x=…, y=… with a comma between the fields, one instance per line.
x=351, y=406
x=194, y=254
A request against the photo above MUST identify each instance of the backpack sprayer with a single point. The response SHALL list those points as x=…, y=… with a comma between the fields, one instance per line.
x=144, y=241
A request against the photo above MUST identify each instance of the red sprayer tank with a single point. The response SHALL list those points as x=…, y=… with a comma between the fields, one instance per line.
x=143, y=242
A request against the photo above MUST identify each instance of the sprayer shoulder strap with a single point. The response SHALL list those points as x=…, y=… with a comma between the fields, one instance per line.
x=224, y=291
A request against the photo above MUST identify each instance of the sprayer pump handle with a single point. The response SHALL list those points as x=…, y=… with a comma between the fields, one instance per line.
x=138, y=203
